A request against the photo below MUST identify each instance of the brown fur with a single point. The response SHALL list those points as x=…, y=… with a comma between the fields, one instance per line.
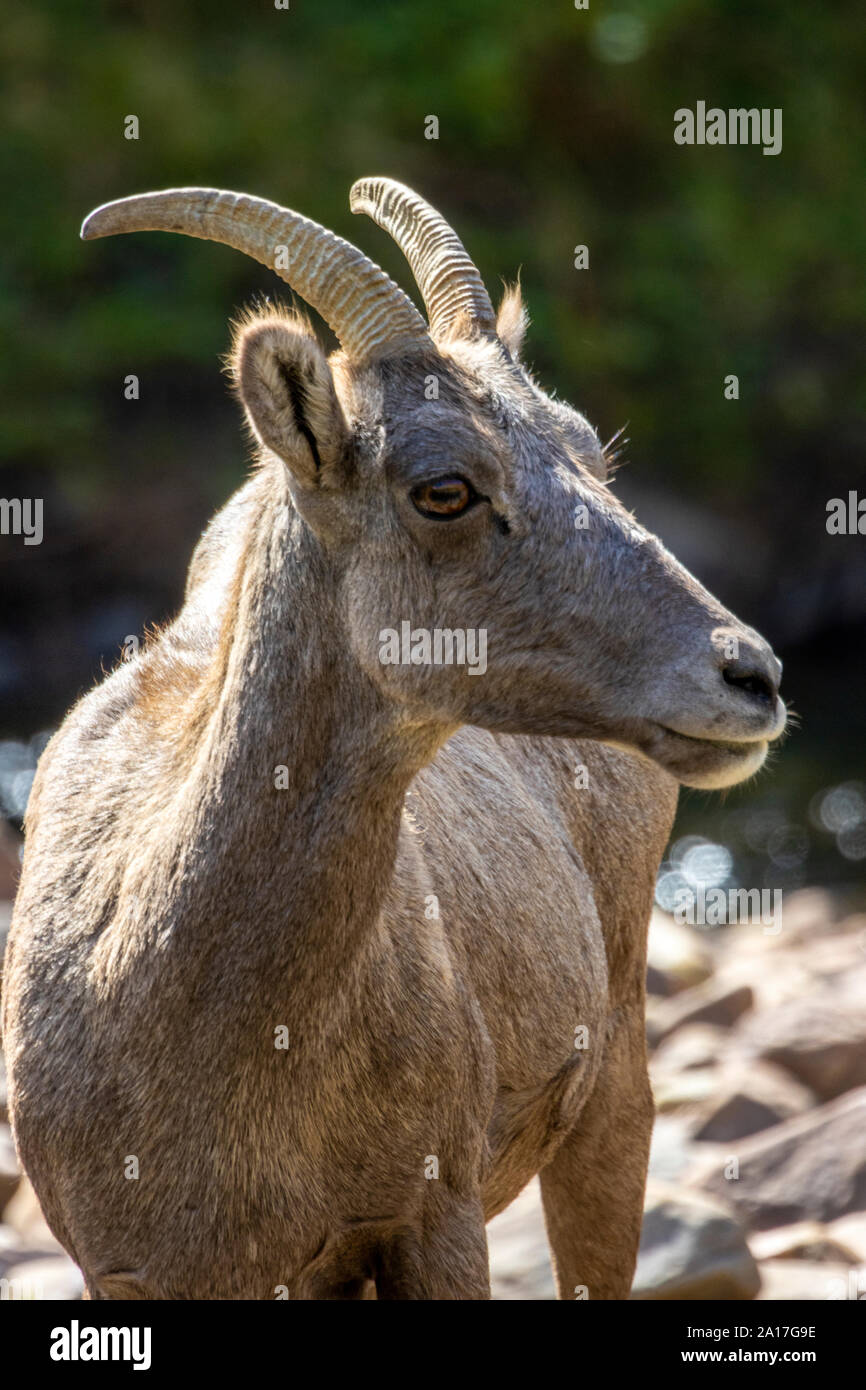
x=176, y=907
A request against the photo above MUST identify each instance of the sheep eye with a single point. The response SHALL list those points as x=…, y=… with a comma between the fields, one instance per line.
x=443, y=498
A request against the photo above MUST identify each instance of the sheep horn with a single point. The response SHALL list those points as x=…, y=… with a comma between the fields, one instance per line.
x=447, y=278
x=370, y=315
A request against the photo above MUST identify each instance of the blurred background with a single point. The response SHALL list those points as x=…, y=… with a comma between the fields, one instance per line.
x=555, y=129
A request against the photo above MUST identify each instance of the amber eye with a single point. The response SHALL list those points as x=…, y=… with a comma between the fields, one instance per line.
x=443, y=498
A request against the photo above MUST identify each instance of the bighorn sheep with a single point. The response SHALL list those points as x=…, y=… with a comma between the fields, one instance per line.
x=305, y=938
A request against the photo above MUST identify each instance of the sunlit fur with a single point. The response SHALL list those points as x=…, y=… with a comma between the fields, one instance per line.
x=450, y=883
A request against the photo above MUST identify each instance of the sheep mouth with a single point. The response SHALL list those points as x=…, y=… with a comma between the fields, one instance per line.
x=736, y=748
x=709, y=764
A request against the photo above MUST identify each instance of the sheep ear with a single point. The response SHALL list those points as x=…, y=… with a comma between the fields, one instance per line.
x=287, y=389
x=512, y=320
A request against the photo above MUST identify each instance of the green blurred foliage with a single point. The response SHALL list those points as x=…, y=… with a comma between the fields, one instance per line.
x=556, y=128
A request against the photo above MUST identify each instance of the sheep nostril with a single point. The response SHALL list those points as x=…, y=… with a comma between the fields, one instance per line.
x=753, y=683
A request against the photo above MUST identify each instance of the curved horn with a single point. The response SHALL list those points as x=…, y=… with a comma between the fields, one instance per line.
x=367, y=311
x=446, y=277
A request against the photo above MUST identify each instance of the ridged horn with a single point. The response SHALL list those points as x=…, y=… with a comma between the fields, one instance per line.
x=447, y=278
x=368, y=312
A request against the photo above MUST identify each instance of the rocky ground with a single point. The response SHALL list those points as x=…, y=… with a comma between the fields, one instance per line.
x=758, y=1172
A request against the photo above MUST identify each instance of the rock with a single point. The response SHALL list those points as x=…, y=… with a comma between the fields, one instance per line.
x=10, y=1170
x=787, y=976
x=773, y=980
x=676, y=956
x=807, y=914
x=820, y=1039
x=678, y=1090
x=842, y=955
x=671, y=1151
x=727, y=1101
x=804, y=1281
x=692, y=1249
x=692, y=1047
x=24, y=1214
x=520, y=1265
x=746, y=1101
x=5, y=924
x=811, y=1167
x=653, y=1028
x=657, y=982
x=53, y=1278
x=805, y=1240
x=10, y=862
x=714, y=1001
x=14, y=1249
x=10, y=1245
x=850, y=1232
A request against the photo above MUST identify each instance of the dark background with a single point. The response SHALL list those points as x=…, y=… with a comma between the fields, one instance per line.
x=555, y=129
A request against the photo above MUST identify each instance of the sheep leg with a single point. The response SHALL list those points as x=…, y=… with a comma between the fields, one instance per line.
x=592, y=1190
x=447, y=1260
